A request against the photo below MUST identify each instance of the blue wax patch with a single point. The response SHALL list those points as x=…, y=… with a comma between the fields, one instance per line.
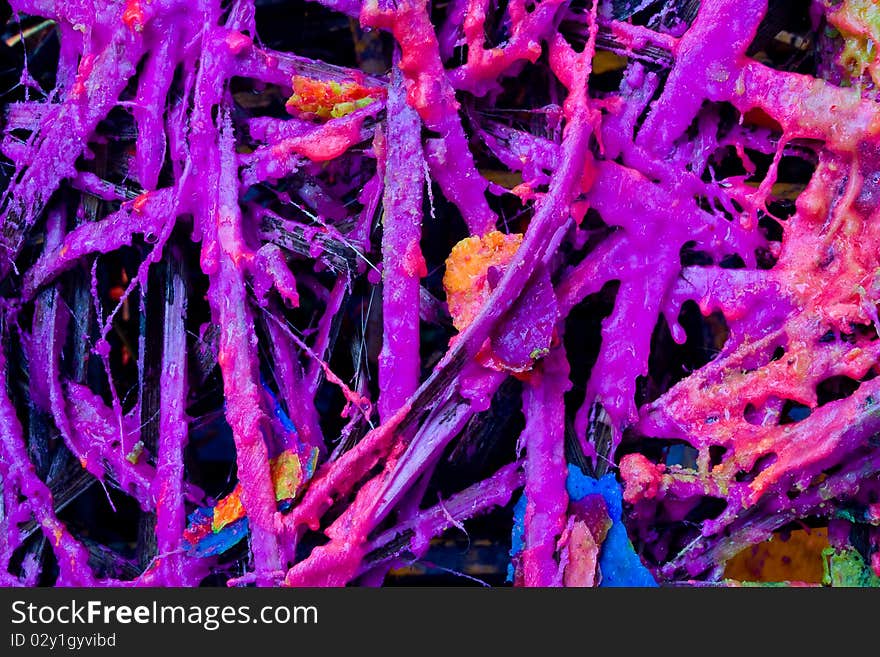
x=209, y=543
x=277, y=409
x=286, y=422
x=517, y=538
x=618, y=561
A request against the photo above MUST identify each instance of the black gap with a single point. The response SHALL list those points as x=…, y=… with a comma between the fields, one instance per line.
x=706, y=335
x=728, y=117
x=834, y=388
x=762, y=463
x=721, y=210
x=583, y=339
x=764, y=258
x=497, y=27
x=638, y=16
x=860, y=536
x=732, y=261
x=529, y=89
x=762, y=162
x=487, y=442
x=781, y=208
x=656, y=450
x=210, y=452
x=308, y=542
x=771, y=228
x=723, y=163
x=793, y=412
x=795, y=170
x=92, y=515
x=690, y=256
x=664, y=365
x=669, y=362
x=828, y=336
x=259, y=99
x=482, y=553
x=716, y=455
x=708, y=508
x=682, y=455
x=773, y=45
x=317, y=33
x=606, y=82
x=575, y=257
x=459, y=55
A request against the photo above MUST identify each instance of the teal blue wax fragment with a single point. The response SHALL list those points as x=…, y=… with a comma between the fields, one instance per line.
x=618, y=561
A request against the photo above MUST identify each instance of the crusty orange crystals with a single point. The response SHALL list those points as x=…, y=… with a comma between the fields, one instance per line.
x=472, y=269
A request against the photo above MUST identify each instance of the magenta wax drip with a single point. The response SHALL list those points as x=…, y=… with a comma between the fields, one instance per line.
x=179, y=169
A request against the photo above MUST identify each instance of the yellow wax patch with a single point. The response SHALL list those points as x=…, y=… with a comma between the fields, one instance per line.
x=286, y=475
x=798, y=559
x=605, y=61
x=228, y=510
x=466, y=283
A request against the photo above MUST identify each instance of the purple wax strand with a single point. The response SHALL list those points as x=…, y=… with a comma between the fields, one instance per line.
x=403, y=264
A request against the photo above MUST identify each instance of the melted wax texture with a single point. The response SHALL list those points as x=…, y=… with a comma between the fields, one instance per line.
x=593, y=284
